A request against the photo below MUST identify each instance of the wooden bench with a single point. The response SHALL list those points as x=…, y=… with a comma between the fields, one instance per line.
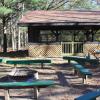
x=89, y=96
x=27, y=61
x=36, y=84
x=81, y=60
x=77, y=67
x=82, y=71
x=85, y=74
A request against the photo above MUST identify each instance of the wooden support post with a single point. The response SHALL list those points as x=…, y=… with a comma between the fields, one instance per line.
x=42, y=65
x=75, y=72
x=36, y=93
x=84, y=77
x=68, y=61
x=15, y=65
x=83, y=80
x=6, y=93
x=72, y=47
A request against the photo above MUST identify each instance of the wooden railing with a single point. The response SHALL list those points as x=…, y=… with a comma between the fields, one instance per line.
x=71, y=47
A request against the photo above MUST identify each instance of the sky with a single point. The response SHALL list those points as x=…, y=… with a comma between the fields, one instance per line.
x=97, y=2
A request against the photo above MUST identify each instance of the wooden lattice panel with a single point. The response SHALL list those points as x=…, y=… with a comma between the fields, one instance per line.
x=91, y=48
x=43, y=50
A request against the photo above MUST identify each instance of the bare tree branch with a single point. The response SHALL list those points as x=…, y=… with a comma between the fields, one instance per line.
x=54, y=4
x=50, y=4
x=60, y=5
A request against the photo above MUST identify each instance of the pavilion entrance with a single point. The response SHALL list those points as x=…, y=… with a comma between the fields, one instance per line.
x=71, y=48
x=72, y=42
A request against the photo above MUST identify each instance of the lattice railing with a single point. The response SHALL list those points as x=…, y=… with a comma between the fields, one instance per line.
x=44, y=50
x=92, y=48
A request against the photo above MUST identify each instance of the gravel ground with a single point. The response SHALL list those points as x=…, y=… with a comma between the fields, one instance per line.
x=69, y=85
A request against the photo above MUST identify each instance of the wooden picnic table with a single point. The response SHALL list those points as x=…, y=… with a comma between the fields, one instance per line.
x=30, y=83
x=81, y=60
x=35, y=84
x=23, y=81
x=27, y=61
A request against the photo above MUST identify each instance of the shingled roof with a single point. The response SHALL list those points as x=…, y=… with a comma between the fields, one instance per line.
x=60, y=18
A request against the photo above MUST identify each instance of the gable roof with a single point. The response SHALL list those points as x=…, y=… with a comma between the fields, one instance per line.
x=36, y=18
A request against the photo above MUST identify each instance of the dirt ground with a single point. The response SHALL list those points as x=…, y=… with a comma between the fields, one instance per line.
x=69, y=85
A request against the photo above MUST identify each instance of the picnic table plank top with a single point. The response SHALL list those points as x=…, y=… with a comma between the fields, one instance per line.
x=89, y=96
x=26, y=61
x=79, y=58
x=38, y=83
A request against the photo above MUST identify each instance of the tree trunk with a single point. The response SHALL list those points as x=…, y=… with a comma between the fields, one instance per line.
x=19, y=41
x=4, y=36
x=13, y=39
x=5, y=43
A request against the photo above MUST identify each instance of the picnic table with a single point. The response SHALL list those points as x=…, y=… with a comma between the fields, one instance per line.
x=81, y=60
x=35, y=84
x=28, y=83
x=15, y=62
x=22, y=81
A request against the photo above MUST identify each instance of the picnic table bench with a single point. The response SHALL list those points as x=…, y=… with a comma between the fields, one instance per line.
x=35, y=84
x=89, y=96
x=81, y=70
x=27, y=61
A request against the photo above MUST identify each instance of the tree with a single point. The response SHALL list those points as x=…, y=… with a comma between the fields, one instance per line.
x=9, y=10
x=4, y=12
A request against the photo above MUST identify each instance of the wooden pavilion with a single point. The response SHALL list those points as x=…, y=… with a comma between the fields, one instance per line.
x=46, y=28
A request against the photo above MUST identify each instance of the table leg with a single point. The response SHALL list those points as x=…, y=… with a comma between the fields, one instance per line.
x=68, y=61
x=6, y=93
x=36, y=93
x=15, y=65
x=42, y=65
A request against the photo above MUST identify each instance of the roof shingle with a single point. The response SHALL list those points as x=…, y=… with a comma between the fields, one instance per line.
x=42, y=17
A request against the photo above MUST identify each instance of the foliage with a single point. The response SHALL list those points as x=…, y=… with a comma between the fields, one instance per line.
x=82, y=5
x=4, y=11
x=35, y=4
